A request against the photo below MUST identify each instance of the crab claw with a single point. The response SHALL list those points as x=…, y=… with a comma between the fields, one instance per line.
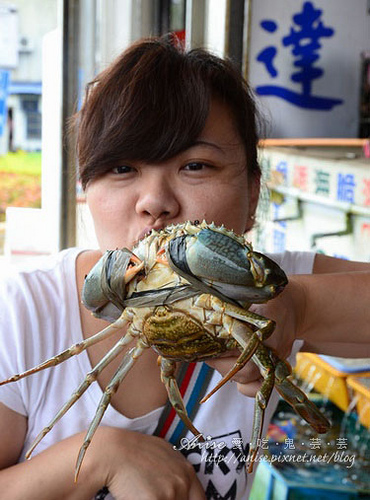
x=271, y=274
x=226, y=264
x=109, y=273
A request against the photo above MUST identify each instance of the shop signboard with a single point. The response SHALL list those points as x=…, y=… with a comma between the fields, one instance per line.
x=319, y=202
x=304, y=63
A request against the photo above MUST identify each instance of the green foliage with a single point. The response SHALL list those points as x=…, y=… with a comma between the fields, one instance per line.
x=21, y=163
x=20, y=181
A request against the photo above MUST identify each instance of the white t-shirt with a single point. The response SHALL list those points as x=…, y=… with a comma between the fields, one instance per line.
x=39, y=317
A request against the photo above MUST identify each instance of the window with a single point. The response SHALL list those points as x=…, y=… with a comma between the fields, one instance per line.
x=30, y=105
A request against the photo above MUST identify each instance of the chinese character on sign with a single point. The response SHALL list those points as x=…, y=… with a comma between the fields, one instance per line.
x=365, y=230
x=346, y=187
x=279, y=241
x=282, y=168
x=315, y=443
x=366, y=192
x=300, y=177
x=322, y=179
x=304, y=40
x=279, y=232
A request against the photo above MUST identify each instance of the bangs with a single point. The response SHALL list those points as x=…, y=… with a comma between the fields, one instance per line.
x=152, y=103
x=154, y=110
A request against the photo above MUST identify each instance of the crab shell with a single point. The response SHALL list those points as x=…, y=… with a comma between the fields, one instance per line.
x=205, y=257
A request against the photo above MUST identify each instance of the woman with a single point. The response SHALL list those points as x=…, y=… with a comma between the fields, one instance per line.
x=163, y=137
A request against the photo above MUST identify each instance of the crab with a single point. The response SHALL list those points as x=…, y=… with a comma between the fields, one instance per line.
x=185, y=291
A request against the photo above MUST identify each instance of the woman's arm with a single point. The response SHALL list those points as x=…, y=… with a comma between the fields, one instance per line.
x=11, y=443
x=131, y=464
x=336, y=308
x=329, y=311
x=49, y=475
x=334, y=313
x=328, y=265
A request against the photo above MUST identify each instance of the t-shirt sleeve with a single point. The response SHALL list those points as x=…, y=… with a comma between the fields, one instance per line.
x=11, y=314
x=295, y=262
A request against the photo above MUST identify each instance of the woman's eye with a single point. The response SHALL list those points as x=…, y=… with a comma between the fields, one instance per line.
x=122, y=169
x=194, y=166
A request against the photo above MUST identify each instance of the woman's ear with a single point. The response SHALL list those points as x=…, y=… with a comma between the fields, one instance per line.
x=253, y=193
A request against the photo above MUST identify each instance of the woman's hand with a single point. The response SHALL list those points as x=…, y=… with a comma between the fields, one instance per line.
x=320, y=310
x=145, y=467
x=287, y=310
x=132, y=465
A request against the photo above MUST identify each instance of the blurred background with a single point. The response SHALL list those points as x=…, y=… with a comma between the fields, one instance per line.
x=307, y=61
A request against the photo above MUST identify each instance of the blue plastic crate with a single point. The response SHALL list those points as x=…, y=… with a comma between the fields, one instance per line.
x=271, y=484
x=281, y=475
x=347, y=365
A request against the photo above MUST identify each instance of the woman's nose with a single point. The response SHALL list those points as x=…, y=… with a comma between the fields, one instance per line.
x=157, y=197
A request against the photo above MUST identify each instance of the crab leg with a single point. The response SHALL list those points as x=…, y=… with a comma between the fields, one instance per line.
x=297, y=398
x=248, y=340
x=253, y=348
x=126, y=364
x=249, y=344
x=168, y=368
x=89, y=379
x=266, y=366
x=277, y=370
x=71, y=351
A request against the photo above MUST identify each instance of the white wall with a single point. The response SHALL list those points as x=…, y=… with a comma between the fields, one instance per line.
x=35, y=18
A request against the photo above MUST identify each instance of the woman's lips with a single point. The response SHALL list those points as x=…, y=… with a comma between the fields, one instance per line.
x=144, y=232
x=156, y=227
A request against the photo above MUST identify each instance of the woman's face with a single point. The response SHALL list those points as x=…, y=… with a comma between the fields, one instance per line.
x=207, y=181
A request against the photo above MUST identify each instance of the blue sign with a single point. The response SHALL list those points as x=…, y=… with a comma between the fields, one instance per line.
x=346, y=187
x=304, y=42
x=4, y=87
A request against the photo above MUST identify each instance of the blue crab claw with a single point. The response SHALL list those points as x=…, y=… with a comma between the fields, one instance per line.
x=104, y=287
x=226, y=265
